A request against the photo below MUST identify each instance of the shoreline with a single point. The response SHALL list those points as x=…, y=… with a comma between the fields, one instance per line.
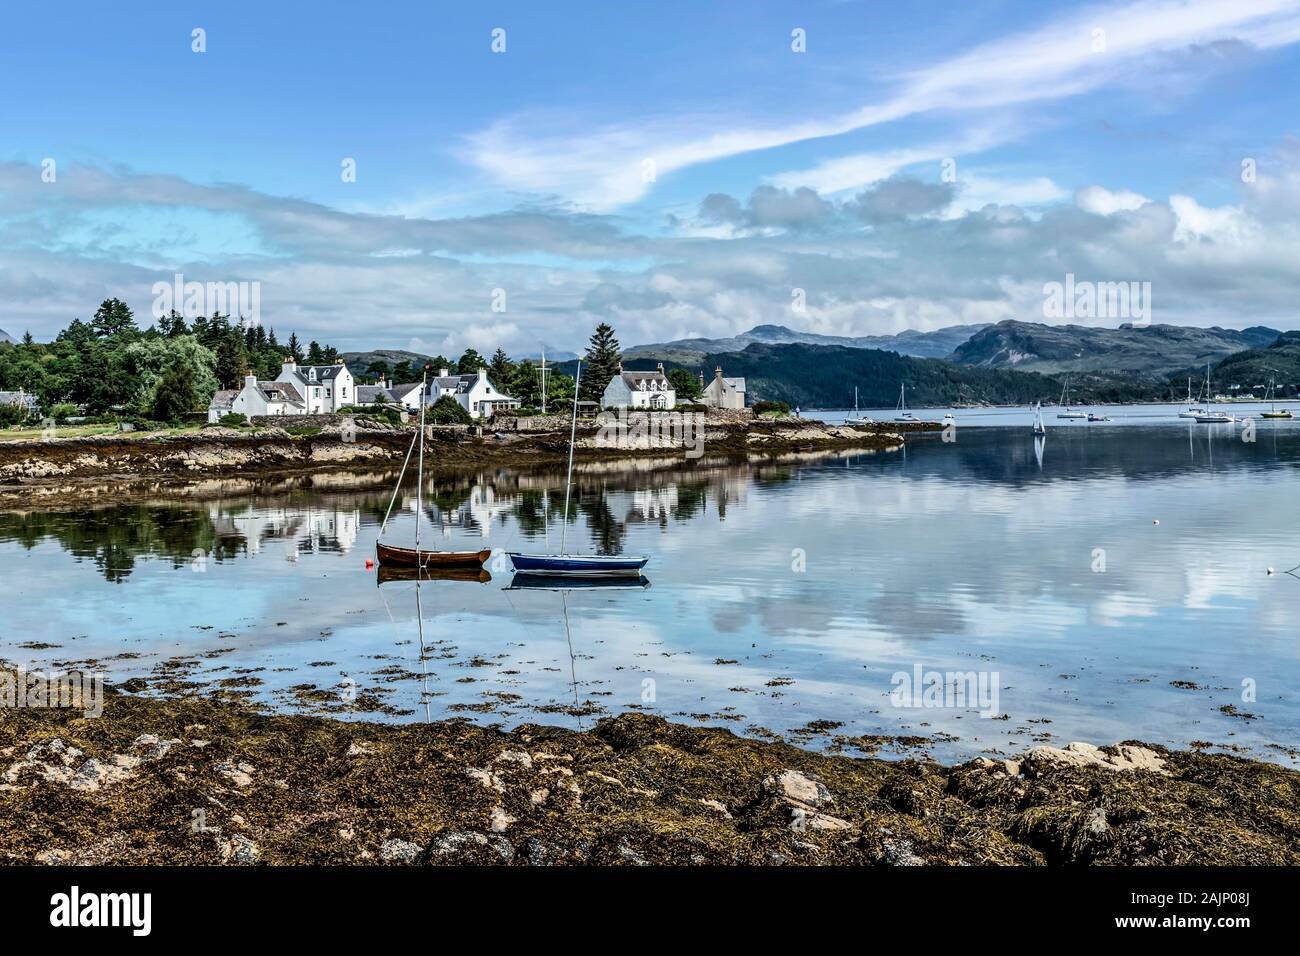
x=197, y=781
x=72, y=471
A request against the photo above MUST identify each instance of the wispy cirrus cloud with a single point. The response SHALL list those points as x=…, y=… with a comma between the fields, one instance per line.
x=1074, y=54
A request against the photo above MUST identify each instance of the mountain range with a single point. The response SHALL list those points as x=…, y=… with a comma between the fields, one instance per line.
x=936, y=344
x=1154, y=351
x=5, y=336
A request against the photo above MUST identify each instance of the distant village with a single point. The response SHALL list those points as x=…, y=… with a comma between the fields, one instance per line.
x=330, y=389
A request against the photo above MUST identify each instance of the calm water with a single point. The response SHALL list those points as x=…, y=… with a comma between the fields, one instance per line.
x=779, y=594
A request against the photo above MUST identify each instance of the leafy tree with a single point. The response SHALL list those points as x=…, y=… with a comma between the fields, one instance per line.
x=175, y=396
x=687, y=385
x=526, y=385
x=447, y=411
x=603, y=357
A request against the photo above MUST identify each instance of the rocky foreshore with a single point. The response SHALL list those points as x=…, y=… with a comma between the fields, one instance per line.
x=195, y=781
x=68, y=470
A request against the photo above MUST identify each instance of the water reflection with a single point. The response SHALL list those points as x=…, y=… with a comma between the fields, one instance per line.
x=784, y=591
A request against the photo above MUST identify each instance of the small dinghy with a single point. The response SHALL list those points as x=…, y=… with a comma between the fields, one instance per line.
x=578, y=564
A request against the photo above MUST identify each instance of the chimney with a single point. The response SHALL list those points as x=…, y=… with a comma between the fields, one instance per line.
x=717, y=371
x=250, y=380
x=338, y=361
x=661, y=368
x=620, y=366
x=381, y=380
x=482, y=375
x=701, y=378
x=288, y=368
x=442, y=373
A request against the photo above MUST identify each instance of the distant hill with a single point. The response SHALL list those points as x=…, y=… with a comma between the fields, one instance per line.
x=5, y=336
x=358, y=362
x=823, y=376
x=1152, y=352
x=1253, y=368
x=936, y=344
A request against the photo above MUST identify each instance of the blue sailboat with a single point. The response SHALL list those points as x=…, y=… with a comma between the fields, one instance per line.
x=576, y=565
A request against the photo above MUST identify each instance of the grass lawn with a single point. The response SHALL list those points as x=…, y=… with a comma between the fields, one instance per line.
x=84, y=431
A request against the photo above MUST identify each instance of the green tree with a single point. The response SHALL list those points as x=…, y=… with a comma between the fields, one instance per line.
x=447, y=411
x=314, y=354
x=603, y=357
x=470, y=363
x=294, y=347
x=500, y=369
x=114, y=318
x=686, y=385
x=175, y=396
x=377, y=368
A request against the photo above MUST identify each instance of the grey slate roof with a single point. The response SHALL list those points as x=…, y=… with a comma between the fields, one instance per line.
x=281, y=392
x=323, y=372
x=223, y=398
x=369, y=394
x=633, y=380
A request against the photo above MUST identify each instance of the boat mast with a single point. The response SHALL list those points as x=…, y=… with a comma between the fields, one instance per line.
x=419, y=482
x=543, y=374
x=573, y=432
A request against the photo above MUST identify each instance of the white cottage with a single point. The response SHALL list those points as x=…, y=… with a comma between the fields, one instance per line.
x=639, y=390
x=257, y=398
x=475, y=393
x=325, y=388
x=722, y=392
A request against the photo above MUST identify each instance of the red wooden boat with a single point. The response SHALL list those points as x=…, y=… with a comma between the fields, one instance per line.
x=412, y=558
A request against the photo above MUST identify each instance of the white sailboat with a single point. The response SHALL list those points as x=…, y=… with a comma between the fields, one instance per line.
x=904, y=415
x=856, y=418
x=1066, y=411
x=1213, y=416
x=1039, y=427
x=1192, y=410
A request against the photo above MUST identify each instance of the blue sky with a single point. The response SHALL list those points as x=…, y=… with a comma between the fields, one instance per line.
x=1105, y=140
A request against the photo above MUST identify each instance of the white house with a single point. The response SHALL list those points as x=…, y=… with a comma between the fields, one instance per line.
x=325, y=388
x=722, y=392
x=387, y=393
x=299, y=390
x=639, y=390
x=257, y=398
x=475, y=393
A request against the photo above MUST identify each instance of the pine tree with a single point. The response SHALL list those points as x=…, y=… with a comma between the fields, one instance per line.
x=500, y=369
x=469, y=363
x=113, y=317
x=294, y=347
x=603, y=358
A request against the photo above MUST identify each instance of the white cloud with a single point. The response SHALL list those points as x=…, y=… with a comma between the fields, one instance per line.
x=1103, y=202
